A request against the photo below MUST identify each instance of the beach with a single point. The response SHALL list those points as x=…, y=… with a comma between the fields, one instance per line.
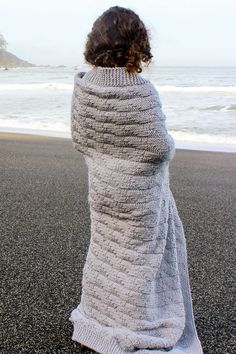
x=45, y=230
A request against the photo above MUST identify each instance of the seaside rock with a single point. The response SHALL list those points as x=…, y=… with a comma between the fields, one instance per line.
x=9, y=60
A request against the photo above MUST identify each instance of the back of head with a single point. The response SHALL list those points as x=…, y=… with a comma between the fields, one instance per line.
x=118, y=38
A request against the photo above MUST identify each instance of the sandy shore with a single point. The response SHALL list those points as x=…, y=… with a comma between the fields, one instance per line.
x=45, y=235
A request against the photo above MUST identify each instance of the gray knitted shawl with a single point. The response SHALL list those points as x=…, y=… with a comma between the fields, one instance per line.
x=135, y=288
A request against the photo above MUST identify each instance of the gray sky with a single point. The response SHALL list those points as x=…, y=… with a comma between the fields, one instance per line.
x=184, y=32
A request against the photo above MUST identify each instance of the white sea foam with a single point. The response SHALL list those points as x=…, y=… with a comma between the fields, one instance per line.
x=42, y=86
x=35, y=125
x=160, y=88
x=165, y=88
x=203, y=138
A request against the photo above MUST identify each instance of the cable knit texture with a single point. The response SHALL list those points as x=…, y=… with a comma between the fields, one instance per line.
x=135, y=287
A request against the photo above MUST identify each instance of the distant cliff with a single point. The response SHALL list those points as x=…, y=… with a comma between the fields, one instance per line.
x=9, y=60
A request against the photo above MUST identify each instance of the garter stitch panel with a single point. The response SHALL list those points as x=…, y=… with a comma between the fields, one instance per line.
x=135, y=287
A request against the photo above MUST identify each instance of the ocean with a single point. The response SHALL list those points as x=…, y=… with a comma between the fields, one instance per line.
x=199, y=103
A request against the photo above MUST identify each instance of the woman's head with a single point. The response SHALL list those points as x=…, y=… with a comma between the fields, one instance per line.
x=118, y=38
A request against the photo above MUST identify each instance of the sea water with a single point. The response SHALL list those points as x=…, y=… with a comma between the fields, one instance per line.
x=199, y=102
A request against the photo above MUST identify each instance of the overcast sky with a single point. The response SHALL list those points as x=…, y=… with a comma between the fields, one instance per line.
x=184, y=32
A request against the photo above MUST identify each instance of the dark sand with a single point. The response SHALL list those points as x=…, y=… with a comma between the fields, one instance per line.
x=45, y=236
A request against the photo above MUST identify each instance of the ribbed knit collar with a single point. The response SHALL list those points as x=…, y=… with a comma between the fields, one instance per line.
x=113, y=76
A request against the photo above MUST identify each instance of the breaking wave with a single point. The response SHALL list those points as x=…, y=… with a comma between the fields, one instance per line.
x=161, y=88
x=219, y=108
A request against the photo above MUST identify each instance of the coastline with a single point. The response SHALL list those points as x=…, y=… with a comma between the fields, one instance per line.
x=180, y=145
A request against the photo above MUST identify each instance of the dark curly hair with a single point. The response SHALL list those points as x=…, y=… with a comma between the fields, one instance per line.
x=118, y=38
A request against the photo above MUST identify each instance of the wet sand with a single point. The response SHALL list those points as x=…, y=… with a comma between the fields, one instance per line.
x=44, y=228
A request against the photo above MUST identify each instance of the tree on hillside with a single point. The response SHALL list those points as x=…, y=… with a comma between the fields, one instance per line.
x=3, y=42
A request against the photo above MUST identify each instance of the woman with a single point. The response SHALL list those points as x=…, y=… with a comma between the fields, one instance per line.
x=135, y=287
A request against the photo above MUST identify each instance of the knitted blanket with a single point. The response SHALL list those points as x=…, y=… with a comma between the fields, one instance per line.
x=135, y=287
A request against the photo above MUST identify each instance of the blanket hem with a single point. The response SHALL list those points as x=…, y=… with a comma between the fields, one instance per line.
x=100, y=338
